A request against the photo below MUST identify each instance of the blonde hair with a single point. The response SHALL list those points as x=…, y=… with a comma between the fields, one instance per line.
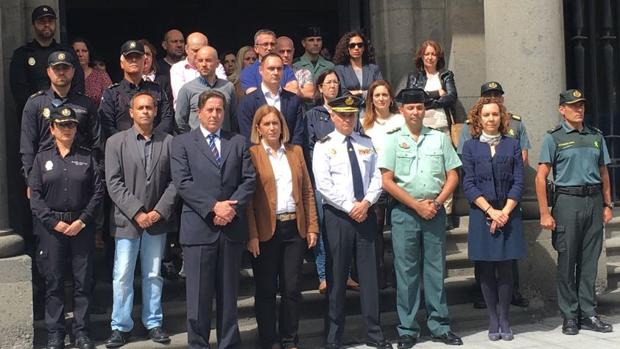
x=259, y=115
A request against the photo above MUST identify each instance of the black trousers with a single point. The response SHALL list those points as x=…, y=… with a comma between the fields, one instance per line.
x=212, y=271
x=279, y=262
x=51, y=256
x=343, y=237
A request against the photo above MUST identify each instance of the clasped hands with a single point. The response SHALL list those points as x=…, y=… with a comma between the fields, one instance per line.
x=69, y=229
x=498, y=219
x=146, y=219
x=359, y=212
x=224, y=212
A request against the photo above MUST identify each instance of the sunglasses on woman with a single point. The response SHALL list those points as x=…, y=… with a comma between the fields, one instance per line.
x=356, y=44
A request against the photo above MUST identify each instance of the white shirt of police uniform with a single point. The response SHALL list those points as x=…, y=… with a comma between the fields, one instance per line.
x=332, y=170
x=217, y=140
x=182, y=72
x=272, y=100
x=285, y=203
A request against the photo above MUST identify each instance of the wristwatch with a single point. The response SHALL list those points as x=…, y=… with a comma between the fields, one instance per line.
x=609, y=205
x=437, y=204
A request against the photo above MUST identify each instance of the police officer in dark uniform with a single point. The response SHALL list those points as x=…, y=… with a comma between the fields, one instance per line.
x=35, y=131
x=346, y=173
x=114, y=107
x=29, y=62
x=66, y=190
x=581, y=205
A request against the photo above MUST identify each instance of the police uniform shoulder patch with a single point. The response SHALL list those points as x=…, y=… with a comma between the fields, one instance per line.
x=558, y=127
x=595, y=129
x=87, y=149
x=116, y=84
x=467, y=122
x=38, y=93
x=515, y=117
x=394, y=130
x=324, y=139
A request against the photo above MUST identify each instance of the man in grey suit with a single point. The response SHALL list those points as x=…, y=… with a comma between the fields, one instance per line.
x=213, y=172
x=137, y=172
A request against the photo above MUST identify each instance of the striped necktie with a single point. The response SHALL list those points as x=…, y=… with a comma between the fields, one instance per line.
x=216, y=154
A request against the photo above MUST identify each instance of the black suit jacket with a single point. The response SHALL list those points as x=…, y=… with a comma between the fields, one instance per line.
x=290, y=106
x=201, y=183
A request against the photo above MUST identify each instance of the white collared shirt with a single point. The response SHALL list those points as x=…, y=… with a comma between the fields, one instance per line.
x=272, y=100
x=217, y=140
x=332, y=170
x=182, y=72
x=285, y=203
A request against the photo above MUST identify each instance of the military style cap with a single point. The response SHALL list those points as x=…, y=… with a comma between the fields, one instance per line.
x=43, y=11
x=312, y=31
x=62, y=115
x=345, y=104
x=490, y=87
x=571, y=96
x=60, y=57
x=411, y=95
x=132, y=46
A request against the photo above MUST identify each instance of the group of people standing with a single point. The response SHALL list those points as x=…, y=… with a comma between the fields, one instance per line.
x=236, y=159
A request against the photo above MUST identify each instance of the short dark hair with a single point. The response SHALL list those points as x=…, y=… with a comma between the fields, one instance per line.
x=142, y=93
x=204, y=97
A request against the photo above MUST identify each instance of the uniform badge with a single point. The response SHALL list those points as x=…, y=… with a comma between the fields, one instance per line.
x=46, y=112
x=576, y=94
x=364, y=151
x=596, y=144
x=31, y=61
x=49, y=165
x=66, y=112
x=132, y=44
x=61, y=56
x=348, y=101
x=45, y=9
x=492, y=85
x=404, y=145
x=332, y=151
x=511, y=132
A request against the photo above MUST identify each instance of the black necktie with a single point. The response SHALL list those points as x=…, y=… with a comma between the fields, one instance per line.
x=358, y=183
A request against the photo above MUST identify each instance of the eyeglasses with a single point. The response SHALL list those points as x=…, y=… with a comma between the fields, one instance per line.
x=267, y=44
x=356, y=44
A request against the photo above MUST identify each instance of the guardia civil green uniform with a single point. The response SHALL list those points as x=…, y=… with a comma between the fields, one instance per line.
x=419, y=168
x=575, y=157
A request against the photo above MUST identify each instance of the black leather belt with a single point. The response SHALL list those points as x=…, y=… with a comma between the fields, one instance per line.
x=67, y=217
x=579, y=190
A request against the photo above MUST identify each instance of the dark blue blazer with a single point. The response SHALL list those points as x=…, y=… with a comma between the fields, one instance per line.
x=201, y=183
x=496, y=179
x=290, y=106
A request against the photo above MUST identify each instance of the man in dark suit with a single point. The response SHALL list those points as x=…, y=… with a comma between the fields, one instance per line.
x=137, y=164
x=270, y=92
x=213, y=172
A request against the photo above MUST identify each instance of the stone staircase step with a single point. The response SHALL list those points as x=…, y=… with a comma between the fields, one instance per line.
x=612, y=229
x=612, y=246
x=613, y=274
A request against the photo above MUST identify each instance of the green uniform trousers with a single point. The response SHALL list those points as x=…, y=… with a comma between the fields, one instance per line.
x=419, y=253
x=578, y=238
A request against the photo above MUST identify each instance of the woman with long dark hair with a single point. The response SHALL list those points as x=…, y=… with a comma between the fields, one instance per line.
x=95, y=80
x=355, y=64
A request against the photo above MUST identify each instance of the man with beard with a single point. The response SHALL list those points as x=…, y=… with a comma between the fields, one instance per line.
x=174, y=46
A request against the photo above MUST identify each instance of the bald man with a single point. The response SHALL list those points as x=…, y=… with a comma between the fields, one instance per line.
x=174, y=46
x=186, y=116
x=185, y=71
x=286, y=49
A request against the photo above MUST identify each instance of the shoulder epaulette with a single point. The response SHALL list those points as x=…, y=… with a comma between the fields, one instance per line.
x=324, y=139
x=85, y=148
x=38, y=93
x=558, y=127
x=515, y=117
x=114, y=85
x=362, y=134
x=394, y=130
x=594, y=129
x=467, y=122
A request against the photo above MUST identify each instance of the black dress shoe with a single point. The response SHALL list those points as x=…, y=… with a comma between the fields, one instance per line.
x=381, y=344
x=84, y=342
x=570, y=327
x=56, y=343
x=519, y=301
x=593, y=323
x=448, y=338
x=158, y=335
x=406, y=342
x=479, y=304
x=117, y=339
